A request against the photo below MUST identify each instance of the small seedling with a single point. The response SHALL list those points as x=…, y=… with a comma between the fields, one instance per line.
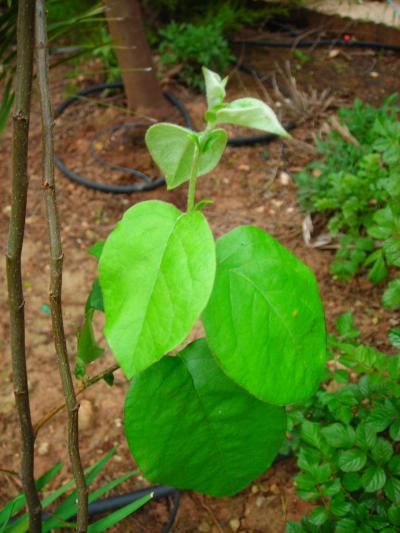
x=210, y=418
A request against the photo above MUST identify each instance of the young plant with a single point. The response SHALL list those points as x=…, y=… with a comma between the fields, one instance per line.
x=346, y=439
x=210, y=417
x=358, y=189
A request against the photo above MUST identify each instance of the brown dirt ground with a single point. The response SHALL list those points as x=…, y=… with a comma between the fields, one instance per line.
x=247, y=189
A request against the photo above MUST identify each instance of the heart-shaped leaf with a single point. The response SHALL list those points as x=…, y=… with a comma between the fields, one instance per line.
x=173, y=148
x=264, y=321
x=156, y=271
x=189, y=426
x=251, y=113
x=212, y=146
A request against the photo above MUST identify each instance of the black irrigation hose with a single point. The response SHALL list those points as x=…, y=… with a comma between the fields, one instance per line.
x=147, y=184
x=342, y=43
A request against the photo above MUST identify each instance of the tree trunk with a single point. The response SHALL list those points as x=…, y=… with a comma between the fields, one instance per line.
x=142, y=88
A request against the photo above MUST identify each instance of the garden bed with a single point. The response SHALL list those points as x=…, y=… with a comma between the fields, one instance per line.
x=250, y=186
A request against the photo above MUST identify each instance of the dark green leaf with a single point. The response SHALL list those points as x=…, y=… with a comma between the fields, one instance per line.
x=373, y=479
x=318, y=516
x=225, y=436
x=156, y=273
x=264, y=333
x=346, y=525
x=382, y=451
x=391, y=296
x=96, y=249
x=366, y=436
x=95, y=298
x=352, y=460
x=392, y=489
x=339, y=506
x=339, y=436
x=351, y=481
x=394, y=515
x=88, y=349
x=394, y=464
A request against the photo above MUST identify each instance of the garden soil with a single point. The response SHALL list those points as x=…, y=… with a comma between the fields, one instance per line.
x=252, y=185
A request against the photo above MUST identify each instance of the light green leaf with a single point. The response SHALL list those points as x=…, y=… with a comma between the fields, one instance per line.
x=173, y=148
x=366, y=436
x=212, y=146
x=373, y=479
x=352, y=460
x=117, y=516
x=264, y=321
x=394, y=430
x=156, y=273
x=225, y=436
x=346, y=327
x=251, y=113
x=215, y=87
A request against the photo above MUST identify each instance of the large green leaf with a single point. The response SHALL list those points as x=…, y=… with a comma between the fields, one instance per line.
x=264, y=321
x=173, y=148
x=156, y=271
x=191, y=427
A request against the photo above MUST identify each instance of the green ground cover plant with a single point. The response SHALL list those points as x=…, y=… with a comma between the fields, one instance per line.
x=217, y=405
x=358, y=189
x=346, y=439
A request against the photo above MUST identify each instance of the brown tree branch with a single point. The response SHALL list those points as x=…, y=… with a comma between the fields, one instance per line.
x=56, y=267
x=25, y=38
x=85, y=385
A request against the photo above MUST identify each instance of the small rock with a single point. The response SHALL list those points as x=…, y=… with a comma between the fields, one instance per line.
x=85, y=415
x=260, y=209
x=234, y=524
x=284, y=178
x=43, y=448
x=374, y=74
x=244, y=168
x=255, y=489
x=6, y=210
x=333, y=53
x=259, y=501
x=204, y=527
x=118, y=423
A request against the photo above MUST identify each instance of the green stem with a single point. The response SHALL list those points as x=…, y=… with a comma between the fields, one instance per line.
x=193, y=179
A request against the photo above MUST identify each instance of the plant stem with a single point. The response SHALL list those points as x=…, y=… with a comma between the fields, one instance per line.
x=192, y=181
x=56, y=267
x=25, y=33
x=85, y=385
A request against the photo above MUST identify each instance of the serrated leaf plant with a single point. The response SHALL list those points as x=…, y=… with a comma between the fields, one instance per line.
x=211, y=416
x=347, y=440
x=357, y=189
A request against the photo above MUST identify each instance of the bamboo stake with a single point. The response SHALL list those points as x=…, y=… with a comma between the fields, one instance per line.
x=25, y=37
x=56, y=267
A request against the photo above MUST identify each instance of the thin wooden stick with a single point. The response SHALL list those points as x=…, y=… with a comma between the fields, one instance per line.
x=25, y=38
x=85, y=385
x=56, y=268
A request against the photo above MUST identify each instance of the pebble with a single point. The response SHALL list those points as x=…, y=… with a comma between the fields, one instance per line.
x=43, y=448
x=284, y=178
x=244, y=168
x=204, y=527
x=85, y=415
x=234, y=524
